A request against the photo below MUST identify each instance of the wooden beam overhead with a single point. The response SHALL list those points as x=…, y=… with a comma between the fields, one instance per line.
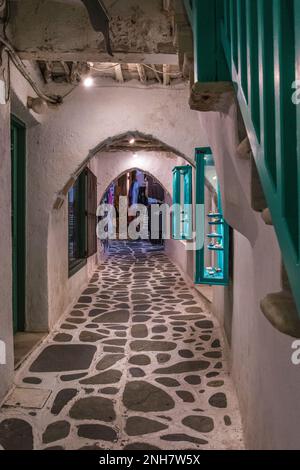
x=166, y=75
x=142, y=73
x=157, y=75
x=119, y=74
x=67, y=71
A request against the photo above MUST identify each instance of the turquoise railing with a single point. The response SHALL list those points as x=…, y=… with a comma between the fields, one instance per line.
x=260, y=40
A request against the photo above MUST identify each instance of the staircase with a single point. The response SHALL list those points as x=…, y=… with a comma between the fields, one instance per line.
x=254, y=47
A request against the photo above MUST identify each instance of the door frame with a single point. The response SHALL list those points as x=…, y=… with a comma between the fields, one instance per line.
x=18, y=218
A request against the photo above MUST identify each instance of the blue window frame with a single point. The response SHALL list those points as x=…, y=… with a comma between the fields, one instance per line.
x=212, y=260
x=182, y=223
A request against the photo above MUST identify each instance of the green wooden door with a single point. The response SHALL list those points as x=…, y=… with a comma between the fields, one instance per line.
x=18, y=187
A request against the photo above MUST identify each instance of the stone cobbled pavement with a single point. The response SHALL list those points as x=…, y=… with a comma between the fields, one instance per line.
x=136, y=364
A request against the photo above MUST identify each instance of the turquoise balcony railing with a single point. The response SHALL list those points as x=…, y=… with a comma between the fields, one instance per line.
x=256, y=45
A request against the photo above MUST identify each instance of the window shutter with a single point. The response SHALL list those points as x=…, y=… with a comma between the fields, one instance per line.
x=91, y=209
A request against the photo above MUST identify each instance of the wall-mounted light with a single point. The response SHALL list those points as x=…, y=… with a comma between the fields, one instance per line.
x=38, y=105
x=88, y=82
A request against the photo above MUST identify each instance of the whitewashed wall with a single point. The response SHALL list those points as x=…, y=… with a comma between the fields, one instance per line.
x=267, y=383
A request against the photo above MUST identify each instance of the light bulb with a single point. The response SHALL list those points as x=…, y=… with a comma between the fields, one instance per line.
x=88, y=82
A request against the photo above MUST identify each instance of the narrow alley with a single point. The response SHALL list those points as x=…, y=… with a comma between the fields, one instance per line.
x=150, y=230
x=138, y=363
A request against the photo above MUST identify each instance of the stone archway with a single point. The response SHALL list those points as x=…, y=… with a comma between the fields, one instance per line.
x=130, y=170
x=121, y=142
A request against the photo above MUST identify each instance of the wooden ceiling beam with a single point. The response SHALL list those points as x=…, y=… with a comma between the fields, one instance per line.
x=142, y=73
x=119, y=74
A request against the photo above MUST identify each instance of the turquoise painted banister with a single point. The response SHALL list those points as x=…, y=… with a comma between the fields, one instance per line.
x=260, y=40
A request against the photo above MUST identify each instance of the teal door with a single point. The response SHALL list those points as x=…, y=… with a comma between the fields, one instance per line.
x=18, y=187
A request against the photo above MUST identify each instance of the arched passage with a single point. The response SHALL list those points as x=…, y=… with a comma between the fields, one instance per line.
x=107, y=160
x=129, y=170
x=121, y=143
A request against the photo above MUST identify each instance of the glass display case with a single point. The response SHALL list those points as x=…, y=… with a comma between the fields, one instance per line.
x=212, y=258
x=182, y=223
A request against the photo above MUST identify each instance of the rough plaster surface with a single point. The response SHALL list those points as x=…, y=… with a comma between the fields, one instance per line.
x=6, y=327
x=19, y=93
x=137, y=363
x=136, y=26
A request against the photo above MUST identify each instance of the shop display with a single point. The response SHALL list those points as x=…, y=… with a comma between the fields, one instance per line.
x=212, y=258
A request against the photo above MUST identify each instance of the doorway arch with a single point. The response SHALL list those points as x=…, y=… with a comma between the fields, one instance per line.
x=121, y=142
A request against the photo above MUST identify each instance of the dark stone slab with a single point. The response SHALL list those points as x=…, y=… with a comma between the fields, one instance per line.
x=110, y=376
x=204, y=324
x=62, y=399
x=139, y=331
x=67, y=326
x=205, y=337
x=77, y=313
x=143, y=396
x=181, y=367
x=140, y=446
x=90, y=291
x=227, y=420
x=194, y=310
x=138, y=426
x=183, y=438
x=85, y=299
x=117, y=316
x=76, y=321
x=168, y=382
x=108, y=361
x=136, y=372
x=16, y=434
x=93, y=408
x=186, y=353
x=113, y=349
x=32, y=380
x=152, y=346
x=215, y=383
x=60, y=358
x=109, y=390
x=62, y=338
x=140, y=318
x=140, y=360
x=218, y=400
x=69, y=378
x=115, y=342
x=90, y=337
x=193, y=379
x=187, y=317
x=219, y=365
x=203, y=424
x=56, y=431
x=97, y=432
x=213, y=354
x=54, y=448
x=163, y=358
x=95, y=312
x=186, y=397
